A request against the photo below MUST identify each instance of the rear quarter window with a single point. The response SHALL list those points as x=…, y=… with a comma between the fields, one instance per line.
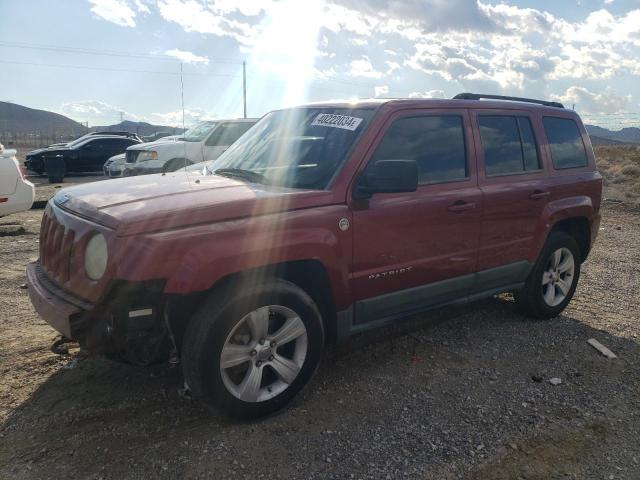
x=509, y=144
x=565, y=143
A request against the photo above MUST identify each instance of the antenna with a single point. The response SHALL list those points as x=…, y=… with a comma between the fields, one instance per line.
x=184, y=145
x=244, y=87
x=182, y=95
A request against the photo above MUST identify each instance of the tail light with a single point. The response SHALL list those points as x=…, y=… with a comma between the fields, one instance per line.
x=20, y=169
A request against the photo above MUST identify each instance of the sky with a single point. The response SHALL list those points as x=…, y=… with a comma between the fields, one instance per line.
x=98, y=61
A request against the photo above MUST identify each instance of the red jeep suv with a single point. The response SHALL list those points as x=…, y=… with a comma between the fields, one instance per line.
x=321, y=221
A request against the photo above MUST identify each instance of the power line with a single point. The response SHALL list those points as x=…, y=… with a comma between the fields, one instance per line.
x=91, y=51
x=85, y=67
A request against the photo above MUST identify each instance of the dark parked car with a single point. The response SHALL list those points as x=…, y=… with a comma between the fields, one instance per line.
x=85, y=155
x=34, y=159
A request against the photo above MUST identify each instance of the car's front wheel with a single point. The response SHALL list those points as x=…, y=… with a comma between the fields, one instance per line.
x=249, y=354
x=553, y=279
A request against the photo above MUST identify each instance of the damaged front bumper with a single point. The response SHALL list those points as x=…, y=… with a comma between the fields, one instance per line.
x=129, y=311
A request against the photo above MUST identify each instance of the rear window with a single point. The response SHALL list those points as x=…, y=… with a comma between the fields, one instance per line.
x=509, y=144
x=436, y=143
x=565, y=142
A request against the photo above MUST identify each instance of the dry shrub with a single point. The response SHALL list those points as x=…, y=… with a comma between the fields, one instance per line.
x=620, y=169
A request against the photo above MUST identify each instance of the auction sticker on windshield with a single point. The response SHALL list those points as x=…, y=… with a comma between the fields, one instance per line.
x=336, y=121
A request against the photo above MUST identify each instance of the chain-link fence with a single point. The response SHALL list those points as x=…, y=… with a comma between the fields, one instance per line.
x=35, y=139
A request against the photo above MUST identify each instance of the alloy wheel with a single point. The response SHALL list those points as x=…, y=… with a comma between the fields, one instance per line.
x=558, y=277
x=264, y=353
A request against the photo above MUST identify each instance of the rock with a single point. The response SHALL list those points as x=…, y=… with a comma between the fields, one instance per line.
x=555, y=381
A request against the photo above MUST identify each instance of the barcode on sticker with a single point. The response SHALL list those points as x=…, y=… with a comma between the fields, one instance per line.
x=337, y=121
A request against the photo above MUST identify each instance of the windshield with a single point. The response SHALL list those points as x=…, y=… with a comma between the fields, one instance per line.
x=198, y=133
x=300, y=148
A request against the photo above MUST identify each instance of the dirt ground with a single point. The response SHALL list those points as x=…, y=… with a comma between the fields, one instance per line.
x=459, y=393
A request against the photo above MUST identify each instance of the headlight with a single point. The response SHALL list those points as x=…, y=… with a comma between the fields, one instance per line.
x=147, y=155
x=95, y=257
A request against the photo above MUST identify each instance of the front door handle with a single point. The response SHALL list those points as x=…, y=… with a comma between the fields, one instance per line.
x=538, y=194
x=461, y=206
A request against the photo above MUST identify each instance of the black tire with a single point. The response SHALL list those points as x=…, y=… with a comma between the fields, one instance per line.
x=530, y=300
x=176, y=164
x=219, y=317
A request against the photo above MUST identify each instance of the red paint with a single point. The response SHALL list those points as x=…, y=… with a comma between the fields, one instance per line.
x=193, y=234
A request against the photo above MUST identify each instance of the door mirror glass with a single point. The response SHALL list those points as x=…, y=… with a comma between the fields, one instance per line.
x=388, y=176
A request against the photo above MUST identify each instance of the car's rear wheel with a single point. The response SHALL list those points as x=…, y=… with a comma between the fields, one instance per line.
x=250, y=353
x=553, y=279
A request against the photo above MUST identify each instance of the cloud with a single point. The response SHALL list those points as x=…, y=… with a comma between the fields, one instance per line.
x=114, y=11
x=428, y=94
x=97, y=112
x=187, y=57
x=173, y=119
x=381, y=90
x=194, y=16
x=363, y=68
x=428, y=15
x=586, y=101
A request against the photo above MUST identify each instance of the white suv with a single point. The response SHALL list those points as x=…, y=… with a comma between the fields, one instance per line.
x=205, y=141
x=16, y=193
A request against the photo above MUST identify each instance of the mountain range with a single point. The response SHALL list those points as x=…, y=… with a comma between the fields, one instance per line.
x=20, y=120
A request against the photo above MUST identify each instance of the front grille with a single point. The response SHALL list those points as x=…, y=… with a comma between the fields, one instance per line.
x=56, y=243
x=59, y=292
x=130, y=156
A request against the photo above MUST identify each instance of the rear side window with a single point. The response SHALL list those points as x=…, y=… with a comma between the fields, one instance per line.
x=509, y=144
x=436, y=143
x=565, y=142
x=228, y=133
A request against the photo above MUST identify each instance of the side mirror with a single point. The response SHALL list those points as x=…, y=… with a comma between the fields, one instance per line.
x=388, y=176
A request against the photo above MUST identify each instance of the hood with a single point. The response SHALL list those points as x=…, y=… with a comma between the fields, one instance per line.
x=57, y=146
x=160, y=202
x=156, y=144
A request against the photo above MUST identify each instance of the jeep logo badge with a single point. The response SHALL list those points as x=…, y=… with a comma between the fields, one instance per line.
x=344, y=224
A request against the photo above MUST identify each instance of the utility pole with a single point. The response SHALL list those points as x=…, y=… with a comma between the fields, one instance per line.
x=244, y=87
x=121, y=117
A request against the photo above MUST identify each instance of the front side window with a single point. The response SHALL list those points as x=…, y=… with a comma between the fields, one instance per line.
x=436, y=143
x=297, y=147
x=565, y=142
x=509, y=144
x=227, y=133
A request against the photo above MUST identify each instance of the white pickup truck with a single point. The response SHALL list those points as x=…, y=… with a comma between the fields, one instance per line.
x=16, y=193
x=205, y=141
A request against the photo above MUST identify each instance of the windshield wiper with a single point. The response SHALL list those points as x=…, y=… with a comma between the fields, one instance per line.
x=241, y=173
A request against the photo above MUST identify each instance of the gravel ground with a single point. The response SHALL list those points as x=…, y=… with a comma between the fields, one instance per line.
x=459, y=393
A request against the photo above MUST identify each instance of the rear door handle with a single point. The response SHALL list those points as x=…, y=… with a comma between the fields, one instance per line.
x=461, y=206
x=538, y=194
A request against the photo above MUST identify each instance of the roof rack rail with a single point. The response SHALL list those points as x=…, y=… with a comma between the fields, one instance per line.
x=478, y=96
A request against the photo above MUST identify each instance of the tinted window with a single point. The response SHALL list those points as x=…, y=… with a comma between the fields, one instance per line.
x=509, y=144
x=97, y=144
x=228, y=133
x=436, y=143
x=565, y=142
